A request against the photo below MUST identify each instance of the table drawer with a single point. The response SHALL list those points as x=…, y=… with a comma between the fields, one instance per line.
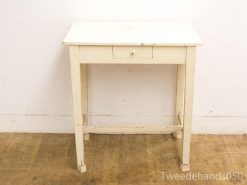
x=95, y=52
x=132, y=52
x=173, y=54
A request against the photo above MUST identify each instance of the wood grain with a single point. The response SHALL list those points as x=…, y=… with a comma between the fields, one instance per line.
x=28, y=159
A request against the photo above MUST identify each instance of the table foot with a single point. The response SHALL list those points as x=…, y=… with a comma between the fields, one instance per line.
x=82, y=168
x=177, y=135
x=86, y=137
x=185, y=167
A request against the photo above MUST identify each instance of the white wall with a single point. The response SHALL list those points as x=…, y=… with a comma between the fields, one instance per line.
x=35, y=88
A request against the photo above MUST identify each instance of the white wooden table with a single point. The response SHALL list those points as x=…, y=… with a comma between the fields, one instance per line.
x=133, y=43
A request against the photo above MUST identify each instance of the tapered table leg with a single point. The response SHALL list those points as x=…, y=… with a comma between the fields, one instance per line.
x=188, y=105
x=76, y=93
x=84, y=96
x=179, y=97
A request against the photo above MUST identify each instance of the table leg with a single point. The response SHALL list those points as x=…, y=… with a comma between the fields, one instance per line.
x=78, y=119
x=179, y=97
x=84, y=96
x=188, y=105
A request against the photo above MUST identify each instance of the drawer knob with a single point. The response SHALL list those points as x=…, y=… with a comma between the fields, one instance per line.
x=132, y=53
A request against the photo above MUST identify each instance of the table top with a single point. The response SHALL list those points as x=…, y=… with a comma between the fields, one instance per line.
x=132, y=33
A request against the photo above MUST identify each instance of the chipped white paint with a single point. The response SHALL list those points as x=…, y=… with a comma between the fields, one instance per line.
x=83, y=48
x=132, y=33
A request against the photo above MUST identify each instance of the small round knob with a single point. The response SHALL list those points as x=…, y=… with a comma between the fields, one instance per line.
x=132, y=53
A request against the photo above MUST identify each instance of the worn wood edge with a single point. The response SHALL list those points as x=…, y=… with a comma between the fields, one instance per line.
x=131, y=61
x=71, y=43
x=185, y=167
x=178, y=135
x=132, y=129
x=86, y=136
x=82, y=168
x=180, y=119
x=84, y=92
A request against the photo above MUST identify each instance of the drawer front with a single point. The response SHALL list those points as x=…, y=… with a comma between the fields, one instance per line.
x=174, y=54
x=95, y=52
x=132, y=52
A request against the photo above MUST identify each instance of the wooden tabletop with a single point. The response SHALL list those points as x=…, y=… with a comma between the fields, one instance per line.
x=132, y=33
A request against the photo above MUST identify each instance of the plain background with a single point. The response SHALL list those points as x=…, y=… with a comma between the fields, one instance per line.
x=35, y=88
